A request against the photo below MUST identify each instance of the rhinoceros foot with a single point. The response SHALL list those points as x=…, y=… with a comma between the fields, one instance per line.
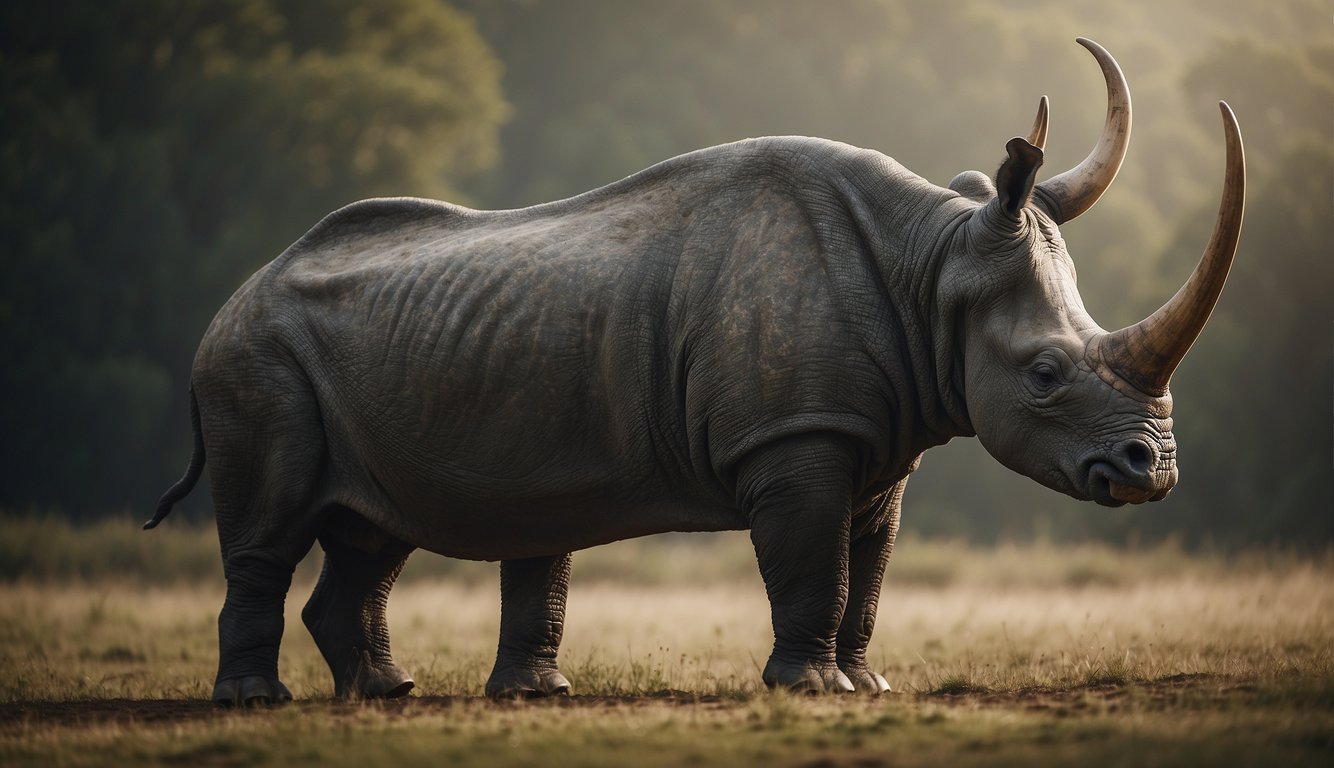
x=864, y=680
x=516, y=681
x=371, y=679
x=250, y=691
x=806, y=677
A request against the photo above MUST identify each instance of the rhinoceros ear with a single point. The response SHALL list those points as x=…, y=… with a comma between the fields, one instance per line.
x=973, y=185
x=1015, y=179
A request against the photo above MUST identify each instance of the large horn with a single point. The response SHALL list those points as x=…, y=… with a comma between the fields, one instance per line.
x=1075, y=191
x=1145, y=354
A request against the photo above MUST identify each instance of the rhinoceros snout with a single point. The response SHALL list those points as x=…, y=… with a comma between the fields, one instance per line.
x=1132, y=472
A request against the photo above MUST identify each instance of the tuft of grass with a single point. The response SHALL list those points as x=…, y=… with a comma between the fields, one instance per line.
x=1116, y=672
x=958, y=684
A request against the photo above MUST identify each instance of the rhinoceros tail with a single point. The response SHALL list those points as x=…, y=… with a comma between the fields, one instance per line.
x=186, y=484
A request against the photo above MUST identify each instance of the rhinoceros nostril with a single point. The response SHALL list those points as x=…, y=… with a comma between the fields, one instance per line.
x=1138, y=456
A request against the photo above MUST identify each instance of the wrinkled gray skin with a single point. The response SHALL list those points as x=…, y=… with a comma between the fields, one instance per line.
x=764, y=335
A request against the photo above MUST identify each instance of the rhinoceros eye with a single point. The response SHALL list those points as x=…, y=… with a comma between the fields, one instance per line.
x=1045, y=377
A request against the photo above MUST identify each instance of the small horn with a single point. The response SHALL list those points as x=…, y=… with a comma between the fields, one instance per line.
x=1075, y=191
x=1038, y=136
x=1146, y=354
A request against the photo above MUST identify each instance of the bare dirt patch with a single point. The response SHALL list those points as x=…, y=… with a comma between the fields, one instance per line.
x=1152, y=694
x=1157, y=694
x=86, y=712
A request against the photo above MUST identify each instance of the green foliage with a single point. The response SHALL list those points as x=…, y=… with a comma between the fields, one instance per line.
x=153, y=154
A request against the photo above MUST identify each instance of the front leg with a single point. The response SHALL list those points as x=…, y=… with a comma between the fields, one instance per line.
x=867, y=556
x=532, y=619
x=796, y=495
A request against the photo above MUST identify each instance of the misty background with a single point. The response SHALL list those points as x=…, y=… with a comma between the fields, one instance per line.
x=155, y=153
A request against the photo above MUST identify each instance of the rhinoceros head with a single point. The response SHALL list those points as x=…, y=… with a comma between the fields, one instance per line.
x=1050, y=393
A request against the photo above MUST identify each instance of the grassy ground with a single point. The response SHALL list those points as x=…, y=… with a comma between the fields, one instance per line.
x=1084, y=656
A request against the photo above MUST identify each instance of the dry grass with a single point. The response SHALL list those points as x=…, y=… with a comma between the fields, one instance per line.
x=51, y=549
x=1158, y=658
x=60, y=641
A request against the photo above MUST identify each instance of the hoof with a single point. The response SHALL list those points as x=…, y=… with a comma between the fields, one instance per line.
x=520, y=683
x=397, y=691
x=866, y=682
x=253, y=691
x=375, y=682
x=804, y=677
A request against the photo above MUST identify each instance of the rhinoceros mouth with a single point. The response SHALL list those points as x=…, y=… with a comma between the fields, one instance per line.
x=1109, y=487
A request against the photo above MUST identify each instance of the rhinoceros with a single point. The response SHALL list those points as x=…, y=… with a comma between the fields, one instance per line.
x=762, y=336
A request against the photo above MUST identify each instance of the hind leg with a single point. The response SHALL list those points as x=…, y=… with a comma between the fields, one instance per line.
x=258, y=565
x=250, y=629
x=532, y=619
x=264, y=448
x=346, y=612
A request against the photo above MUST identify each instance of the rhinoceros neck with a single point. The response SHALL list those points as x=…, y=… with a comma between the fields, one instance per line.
x=907, y=226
